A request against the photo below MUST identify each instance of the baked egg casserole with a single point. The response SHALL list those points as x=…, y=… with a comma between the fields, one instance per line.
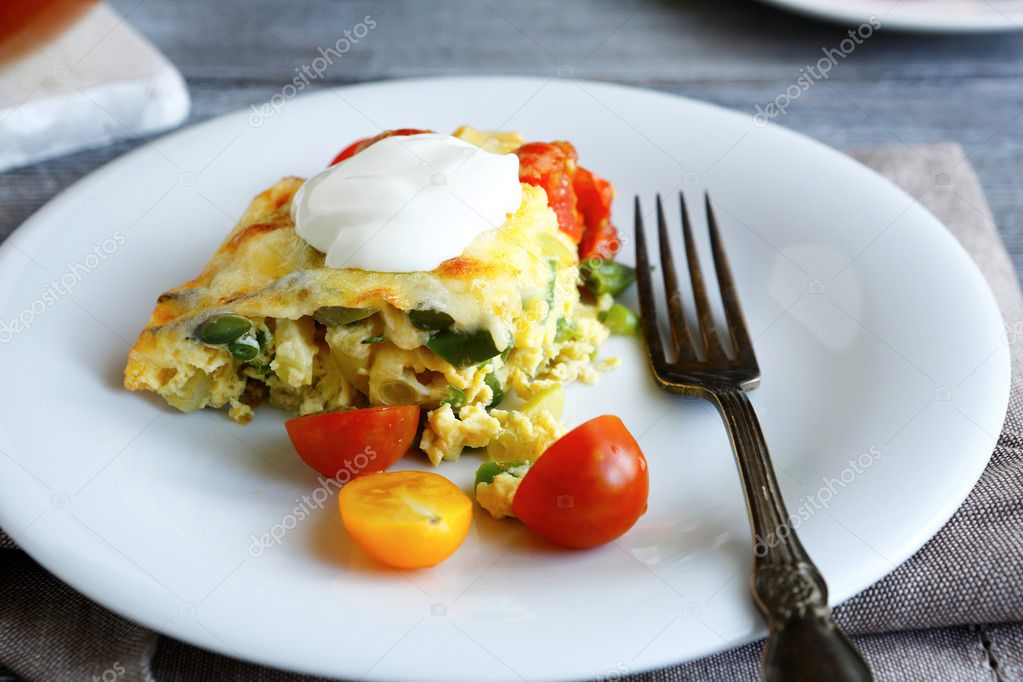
x=501, y=324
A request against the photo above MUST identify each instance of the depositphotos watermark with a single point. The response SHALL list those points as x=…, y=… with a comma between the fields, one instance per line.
x=65, y=285
x=310, y=502
x=619, y=671
x=819, y=500
x=111, y=674
x=314, y=70
x=811, y=74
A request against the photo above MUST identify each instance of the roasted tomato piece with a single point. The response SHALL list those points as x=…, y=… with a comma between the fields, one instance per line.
x=594, y=195
x=588, y=488
x=570, y=152
x=602, y=243
x=550, y=166
x=357, y=146
x=352, y=443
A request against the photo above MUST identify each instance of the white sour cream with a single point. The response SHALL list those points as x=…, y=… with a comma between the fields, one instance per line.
x=406, y=203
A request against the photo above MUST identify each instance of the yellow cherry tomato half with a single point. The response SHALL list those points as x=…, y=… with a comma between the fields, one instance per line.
x=406, y=519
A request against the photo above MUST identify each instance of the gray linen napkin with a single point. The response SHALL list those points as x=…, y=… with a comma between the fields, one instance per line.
x=950, y=612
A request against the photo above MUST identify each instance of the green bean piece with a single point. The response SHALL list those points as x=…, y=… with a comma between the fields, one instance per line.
x=337, y=315
x=565, y=330
x=220, y=330
x=553, y=262
x=492, y=381
x=262, y=369
x=462, y=349
x=456, y=397
x=620, y=320
x=263, y=338
x=244, y=348
x=430, y=320
x=373, y=339
x=489, y=470
x=607, y=276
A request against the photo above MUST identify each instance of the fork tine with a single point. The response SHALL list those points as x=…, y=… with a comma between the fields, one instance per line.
x=708, y=331
x=741, y=341
x=679, y=329
x=647, y=304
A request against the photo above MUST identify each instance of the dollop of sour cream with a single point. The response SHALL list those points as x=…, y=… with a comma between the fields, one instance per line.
x=406, y=203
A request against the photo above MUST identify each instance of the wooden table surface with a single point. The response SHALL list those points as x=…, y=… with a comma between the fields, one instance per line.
x=895, y=88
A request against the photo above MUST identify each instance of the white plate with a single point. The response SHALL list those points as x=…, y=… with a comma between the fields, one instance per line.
x=885, y=382
x=932, y=16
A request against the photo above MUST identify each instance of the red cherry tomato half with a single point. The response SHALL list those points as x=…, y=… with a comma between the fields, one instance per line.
x=588, y=488
x=355, y=442
x=549, y=166
x=357, y=146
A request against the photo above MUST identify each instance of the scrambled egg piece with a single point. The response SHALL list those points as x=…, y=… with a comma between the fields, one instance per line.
x=496, y=497
x=523, y=437
x=508, y=435
x=293, y=340
x=447, y=435
x=493, y=141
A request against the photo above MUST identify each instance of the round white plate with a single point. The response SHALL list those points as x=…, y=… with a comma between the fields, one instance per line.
x=933, y=16
x=885, y=382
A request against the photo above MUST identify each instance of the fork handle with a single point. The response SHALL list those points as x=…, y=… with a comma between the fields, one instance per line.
x=804, y=643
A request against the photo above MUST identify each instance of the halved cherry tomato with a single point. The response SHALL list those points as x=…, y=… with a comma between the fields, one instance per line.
x=355, y=442
x=357, y=146
x=588, y=488
x=406, y=519
x=550, y=165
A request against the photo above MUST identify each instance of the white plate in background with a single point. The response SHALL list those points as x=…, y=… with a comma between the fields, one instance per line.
x=926, y=16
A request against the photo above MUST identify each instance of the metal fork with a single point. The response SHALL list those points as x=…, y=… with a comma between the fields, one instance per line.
x=804, y=642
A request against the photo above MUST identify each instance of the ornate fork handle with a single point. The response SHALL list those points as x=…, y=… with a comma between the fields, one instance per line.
x=804, y=642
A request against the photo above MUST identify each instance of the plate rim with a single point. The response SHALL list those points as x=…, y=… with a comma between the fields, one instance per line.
x=996, y=22
x=95, y=591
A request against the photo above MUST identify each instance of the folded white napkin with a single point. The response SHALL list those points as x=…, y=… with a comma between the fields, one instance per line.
x=95, y=81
